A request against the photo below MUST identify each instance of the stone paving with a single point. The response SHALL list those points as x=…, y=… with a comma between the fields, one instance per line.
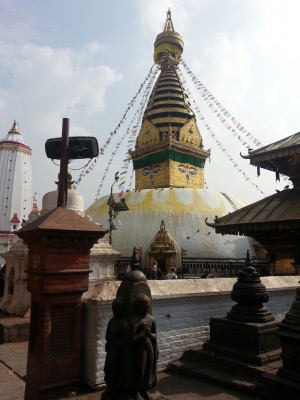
x=11, y=386
x=170, y=386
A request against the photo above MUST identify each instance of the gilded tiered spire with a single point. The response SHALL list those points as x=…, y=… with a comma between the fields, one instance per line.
x=168, y=103
x=169, y=150
x=15, y=128
x=168, y=41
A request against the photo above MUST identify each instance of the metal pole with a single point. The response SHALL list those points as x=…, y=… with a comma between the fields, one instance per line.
x=63, y=174
x=111, y=209
x=110, y=214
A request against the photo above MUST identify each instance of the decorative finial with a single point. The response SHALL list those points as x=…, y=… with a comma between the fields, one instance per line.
x=15, y=128
x=169, y=24
x=168, y=43
x=69, y=180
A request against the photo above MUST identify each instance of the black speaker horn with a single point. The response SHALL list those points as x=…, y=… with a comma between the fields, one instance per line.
x=79, y=147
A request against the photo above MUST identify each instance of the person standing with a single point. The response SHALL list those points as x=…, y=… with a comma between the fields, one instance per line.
x=155, y=272
x=171, y=274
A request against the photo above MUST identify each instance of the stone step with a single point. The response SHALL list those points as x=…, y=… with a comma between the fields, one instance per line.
x=209, y=358
x=13, y=329
x=200, y=364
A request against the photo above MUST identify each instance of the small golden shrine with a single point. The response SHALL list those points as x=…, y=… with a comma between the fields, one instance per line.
x=162, y=249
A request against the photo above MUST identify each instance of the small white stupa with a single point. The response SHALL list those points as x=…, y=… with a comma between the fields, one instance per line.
x=75, y=202
x=102, y=257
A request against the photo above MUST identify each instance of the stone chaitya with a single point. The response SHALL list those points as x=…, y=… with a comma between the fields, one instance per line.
x=248, y=332
x=285, y=384
x=289, y=334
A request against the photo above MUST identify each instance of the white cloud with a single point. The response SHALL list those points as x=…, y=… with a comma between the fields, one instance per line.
x=40, y=85
x=53, y=81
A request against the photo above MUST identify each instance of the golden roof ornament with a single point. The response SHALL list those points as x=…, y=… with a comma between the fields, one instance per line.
x=14, y=128
x=69, y=180
x=168, y=42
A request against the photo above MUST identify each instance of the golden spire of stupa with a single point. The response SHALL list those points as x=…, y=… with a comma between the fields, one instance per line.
x=169, y=150
x=168, y=42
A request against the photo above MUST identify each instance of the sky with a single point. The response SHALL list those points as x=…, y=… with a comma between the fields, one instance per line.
x=86, y=60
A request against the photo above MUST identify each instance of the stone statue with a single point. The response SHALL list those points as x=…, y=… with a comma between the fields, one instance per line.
x=131, y=343
x=144, y=346
x=114, y=344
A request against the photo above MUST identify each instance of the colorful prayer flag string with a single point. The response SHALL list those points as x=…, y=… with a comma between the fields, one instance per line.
x=223, y=149
x=132, y=130
x=221, y=112
x=92, y=163
x=219, y=144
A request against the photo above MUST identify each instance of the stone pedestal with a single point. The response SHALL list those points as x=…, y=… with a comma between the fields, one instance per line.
x=286, y=383
x=277, y=388
x=59, y=244
x=248, y=333
x=102, y=262
x=289, y=335
x=250, y=342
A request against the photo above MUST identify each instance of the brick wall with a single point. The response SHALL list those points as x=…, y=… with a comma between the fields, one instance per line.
x=182, y=310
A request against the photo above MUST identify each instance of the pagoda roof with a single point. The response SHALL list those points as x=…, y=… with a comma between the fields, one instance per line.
x=269, y=156
x=279, y=211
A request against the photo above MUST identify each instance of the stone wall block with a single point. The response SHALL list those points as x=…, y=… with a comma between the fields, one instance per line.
x=182, y=317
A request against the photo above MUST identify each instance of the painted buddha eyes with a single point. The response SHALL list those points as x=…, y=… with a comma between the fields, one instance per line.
x=187, y=170
x=148, y=171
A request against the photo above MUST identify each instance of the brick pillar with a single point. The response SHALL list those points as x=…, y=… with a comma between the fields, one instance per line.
x=59, y=245
x=284, y=262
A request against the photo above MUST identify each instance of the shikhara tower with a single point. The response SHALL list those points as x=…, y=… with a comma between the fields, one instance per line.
x=15, y=185
x=169, y=150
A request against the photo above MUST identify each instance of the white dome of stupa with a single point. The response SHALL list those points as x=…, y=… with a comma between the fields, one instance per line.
x=184, y=212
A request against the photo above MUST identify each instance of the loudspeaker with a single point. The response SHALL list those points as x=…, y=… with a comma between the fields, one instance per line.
x=79, y=147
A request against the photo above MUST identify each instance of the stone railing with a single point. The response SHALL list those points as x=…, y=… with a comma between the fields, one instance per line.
x=196, y=268
x=182, y=310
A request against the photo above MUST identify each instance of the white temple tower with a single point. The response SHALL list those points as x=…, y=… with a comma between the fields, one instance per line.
x=15, y=185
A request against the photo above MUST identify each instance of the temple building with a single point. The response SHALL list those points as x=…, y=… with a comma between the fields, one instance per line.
x=166, y=212
x=275, y=220
x=15, y=185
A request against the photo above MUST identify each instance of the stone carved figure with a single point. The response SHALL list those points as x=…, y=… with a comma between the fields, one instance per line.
x=144, y=346
x=131, y=342
x=114, y=345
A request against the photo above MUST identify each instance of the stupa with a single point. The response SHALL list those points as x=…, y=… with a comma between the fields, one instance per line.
x=15, y=185
x=167, y=209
